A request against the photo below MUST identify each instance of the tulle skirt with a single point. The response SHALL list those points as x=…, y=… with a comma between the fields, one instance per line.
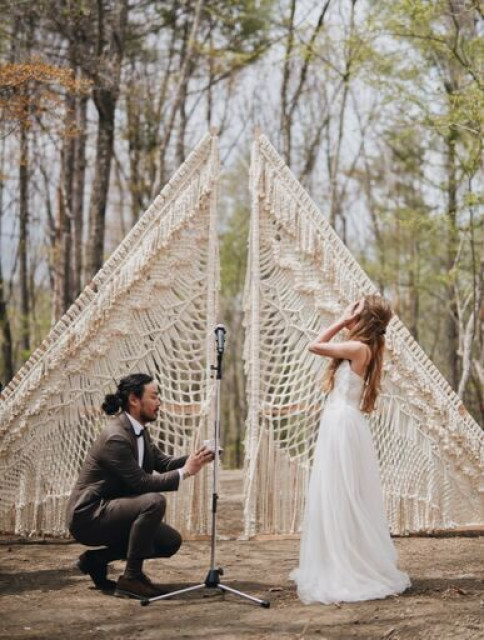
x=346, y=552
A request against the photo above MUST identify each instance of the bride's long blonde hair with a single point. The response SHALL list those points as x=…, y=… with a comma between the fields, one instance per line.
x=369, y=329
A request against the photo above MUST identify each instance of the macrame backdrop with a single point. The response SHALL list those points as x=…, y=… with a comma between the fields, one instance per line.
x=151, y=308
x=300, y=277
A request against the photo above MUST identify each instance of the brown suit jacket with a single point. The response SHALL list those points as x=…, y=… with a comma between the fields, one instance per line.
x=111, y=470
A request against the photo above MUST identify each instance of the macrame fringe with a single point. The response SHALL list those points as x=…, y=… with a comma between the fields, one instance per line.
x=300, y=276
x=152, y=307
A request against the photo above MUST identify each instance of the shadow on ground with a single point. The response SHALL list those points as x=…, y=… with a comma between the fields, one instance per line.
x=43, y=596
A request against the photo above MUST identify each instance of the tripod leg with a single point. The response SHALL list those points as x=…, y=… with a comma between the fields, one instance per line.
x=263, y=603
x=173, y=593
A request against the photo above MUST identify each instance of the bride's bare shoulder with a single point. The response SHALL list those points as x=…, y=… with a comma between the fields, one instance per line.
x=359, y=349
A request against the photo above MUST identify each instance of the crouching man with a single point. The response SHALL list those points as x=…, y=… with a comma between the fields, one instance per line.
x=116, y=502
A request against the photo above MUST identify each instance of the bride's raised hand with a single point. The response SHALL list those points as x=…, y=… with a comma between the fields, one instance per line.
x=353, y=311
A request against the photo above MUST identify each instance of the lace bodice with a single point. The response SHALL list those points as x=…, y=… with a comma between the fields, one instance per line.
x=348, y=386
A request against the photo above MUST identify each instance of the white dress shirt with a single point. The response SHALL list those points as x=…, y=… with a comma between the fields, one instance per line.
x=138, y=428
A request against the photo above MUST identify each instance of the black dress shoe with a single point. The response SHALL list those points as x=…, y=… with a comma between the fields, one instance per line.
x=139, y=588
x=160, y=588
x=97, y=571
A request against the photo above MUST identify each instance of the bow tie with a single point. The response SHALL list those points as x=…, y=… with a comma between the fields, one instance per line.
x=140, y=434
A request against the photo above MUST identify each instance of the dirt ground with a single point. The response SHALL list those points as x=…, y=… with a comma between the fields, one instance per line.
x=42, y=595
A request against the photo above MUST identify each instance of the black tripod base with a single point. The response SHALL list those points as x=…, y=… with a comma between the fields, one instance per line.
x=212, y=581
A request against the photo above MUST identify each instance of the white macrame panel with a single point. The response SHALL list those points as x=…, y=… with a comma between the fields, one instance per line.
x=151, y=308
x=300, y=276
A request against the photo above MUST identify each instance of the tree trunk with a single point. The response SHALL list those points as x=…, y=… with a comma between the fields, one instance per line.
x=66, y=196
x=135, y=146
x=414, y=286
x=182, y=114
x=7, y=344
x=289, y=106
x=23, y=244
x=110, y=48
x=184, y=73
x=452, y=244
x=6, y=332
x=106, y=105
x=182, y=125
x=78, y=194
x=335, y=199
x=60, y=258
x=286, y=121
x=477, y=380
x=211, y=76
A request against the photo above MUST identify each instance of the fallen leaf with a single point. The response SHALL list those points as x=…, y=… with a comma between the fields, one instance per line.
x=453, y=591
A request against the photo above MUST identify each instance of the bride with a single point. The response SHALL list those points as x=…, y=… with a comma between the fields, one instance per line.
x=346, y=551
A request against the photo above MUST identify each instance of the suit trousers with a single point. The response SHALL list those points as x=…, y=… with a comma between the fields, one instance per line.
x=130, y=527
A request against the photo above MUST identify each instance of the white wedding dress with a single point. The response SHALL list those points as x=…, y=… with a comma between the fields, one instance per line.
x=346, y=551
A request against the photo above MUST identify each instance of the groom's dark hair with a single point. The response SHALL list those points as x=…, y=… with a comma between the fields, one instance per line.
x=134, y=383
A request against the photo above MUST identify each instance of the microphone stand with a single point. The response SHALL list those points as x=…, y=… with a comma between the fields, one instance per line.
x=212, y=580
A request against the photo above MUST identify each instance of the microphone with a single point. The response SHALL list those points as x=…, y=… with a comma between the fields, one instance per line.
x=220, y=337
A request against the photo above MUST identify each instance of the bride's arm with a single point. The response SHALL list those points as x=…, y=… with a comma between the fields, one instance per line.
x=330, y=332
x=349, y=350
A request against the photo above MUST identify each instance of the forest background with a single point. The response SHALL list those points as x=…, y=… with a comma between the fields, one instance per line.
x=376, y=106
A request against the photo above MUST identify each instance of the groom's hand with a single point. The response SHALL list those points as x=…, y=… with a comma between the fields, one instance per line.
x=207, y=454
x=197, y=460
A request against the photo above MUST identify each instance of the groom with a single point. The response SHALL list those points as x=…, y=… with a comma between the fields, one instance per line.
x=116, y=502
